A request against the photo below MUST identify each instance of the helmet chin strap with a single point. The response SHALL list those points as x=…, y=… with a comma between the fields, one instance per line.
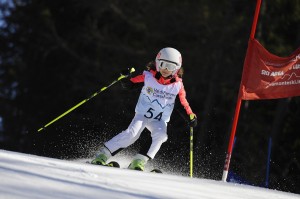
x=157, y=75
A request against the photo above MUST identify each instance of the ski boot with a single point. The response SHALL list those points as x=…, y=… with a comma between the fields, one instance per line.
x=102, y=157
x=138, y=162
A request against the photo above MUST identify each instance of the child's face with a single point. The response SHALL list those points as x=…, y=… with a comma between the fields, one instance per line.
x=165, y=72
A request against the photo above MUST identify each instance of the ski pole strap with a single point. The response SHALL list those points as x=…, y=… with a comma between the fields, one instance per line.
x=191, y=151
x=84, y=101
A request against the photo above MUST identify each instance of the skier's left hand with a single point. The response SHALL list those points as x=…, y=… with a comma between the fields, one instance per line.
x=193, y=120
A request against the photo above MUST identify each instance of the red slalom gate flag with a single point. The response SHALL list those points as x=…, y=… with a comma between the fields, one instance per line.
x=267, y=76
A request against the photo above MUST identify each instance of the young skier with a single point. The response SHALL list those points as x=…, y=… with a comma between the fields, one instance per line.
x=162, y=83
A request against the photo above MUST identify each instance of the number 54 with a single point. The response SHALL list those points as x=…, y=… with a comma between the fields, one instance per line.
x=150, y=114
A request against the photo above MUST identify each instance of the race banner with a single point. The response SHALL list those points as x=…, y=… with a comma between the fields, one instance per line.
x=267, y=76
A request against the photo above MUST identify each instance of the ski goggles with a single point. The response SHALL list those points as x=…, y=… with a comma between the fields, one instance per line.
x=167, y=65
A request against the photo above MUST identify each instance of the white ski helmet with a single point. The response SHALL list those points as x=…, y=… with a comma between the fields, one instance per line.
x=168, y=58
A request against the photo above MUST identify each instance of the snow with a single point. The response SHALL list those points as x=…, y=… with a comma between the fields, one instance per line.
x=30, y=176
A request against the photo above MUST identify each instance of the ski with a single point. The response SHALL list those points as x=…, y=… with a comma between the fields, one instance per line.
x=113, y=164
x=156, y=171
x=110, y=164
x=117, y=165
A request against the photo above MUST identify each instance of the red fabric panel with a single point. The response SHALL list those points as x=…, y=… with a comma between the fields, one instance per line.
x=267, y=76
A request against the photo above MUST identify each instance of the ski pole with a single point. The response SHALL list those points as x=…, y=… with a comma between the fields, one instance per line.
x=191, y=151
x=87, y=99
x=191, y=143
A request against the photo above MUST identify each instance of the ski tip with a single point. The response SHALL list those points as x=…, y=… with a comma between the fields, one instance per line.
x=156, y=171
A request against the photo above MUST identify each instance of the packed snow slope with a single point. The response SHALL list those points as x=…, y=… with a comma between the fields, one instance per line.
x=30, y=176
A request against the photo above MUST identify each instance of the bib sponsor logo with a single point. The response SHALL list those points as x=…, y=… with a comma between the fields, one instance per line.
x=149, y=90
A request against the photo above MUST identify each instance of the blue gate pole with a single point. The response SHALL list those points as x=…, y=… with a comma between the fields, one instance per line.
x=268, y=162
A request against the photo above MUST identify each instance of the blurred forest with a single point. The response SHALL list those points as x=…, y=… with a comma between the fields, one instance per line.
x=55, y=53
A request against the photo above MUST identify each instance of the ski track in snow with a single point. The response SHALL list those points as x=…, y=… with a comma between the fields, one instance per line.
x=29, y=176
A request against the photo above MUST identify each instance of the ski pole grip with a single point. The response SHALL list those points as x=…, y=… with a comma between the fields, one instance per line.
x=132, y=70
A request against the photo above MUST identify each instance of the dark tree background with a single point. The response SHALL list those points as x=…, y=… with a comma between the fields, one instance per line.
x=54, y=54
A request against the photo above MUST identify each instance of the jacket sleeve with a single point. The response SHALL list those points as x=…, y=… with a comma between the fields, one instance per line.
x=183, y=100
x=138, y=79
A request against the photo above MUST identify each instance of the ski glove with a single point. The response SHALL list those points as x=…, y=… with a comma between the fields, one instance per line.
x=126, y=72
x=126, y=84
x=193, y=120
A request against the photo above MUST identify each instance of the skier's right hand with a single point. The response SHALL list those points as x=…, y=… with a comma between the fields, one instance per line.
x=126, y=83
x=126, y=72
